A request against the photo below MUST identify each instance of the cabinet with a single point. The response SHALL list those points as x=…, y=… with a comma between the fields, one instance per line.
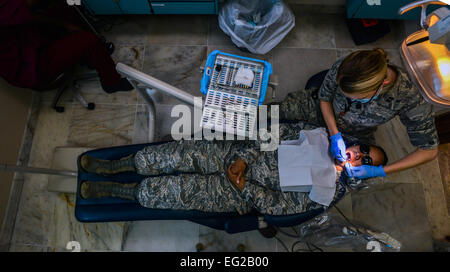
x=170, y=7
x=103, y=7
x=383, y=9
x=134, y=6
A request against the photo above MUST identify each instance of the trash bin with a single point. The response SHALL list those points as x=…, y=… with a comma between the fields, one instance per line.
x=256, y=25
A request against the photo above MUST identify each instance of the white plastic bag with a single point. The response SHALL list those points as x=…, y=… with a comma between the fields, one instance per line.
x=257, y=25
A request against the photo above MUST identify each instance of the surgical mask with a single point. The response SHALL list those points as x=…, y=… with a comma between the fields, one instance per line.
x=365, y=100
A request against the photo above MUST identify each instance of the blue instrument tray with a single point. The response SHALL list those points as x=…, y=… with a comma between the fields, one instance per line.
x=229, y=64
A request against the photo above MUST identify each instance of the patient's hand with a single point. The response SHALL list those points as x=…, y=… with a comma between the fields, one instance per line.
x=236, y=173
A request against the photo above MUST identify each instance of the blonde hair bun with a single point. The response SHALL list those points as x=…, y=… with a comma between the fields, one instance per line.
x=362, y=71
x=381, y=51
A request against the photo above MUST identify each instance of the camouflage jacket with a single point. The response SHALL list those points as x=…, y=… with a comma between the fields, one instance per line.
x=402, y=99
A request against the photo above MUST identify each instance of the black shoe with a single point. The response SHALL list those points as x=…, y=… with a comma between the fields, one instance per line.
x=123, y=86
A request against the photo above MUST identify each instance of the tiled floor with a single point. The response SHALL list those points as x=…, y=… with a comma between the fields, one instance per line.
x=409, y=205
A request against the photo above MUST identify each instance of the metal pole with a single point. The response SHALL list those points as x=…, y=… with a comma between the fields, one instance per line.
x=34, y=170
x=152, y=111
x=154, y=83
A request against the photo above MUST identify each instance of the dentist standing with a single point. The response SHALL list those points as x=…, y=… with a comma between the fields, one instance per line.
x=363, y=91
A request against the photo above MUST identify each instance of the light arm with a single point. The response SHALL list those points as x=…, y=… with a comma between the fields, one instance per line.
x=328, y=116
x=418, y=157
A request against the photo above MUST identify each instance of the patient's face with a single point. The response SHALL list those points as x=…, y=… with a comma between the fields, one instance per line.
x=355, y=156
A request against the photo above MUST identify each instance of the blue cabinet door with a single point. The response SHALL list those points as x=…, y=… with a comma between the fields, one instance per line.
x=135, y=6
x=383, y=9
x=169, y=7
x=102, y=6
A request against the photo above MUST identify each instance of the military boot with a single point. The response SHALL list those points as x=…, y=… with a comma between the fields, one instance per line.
x=101, y=189
x=107, y=167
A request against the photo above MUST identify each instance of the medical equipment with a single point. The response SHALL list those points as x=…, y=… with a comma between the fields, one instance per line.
x=426, y=53
x=234, y=87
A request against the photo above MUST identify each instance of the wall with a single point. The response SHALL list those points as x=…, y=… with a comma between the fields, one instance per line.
x=14, y=109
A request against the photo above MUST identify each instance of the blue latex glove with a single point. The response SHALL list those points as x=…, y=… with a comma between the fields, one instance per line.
x=365, y=171
x=348, y=168
x=337, y=147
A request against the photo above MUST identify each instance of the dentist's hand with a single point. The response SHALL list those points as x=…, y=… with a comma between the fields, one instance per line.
x=365, y=171
x=337, y=147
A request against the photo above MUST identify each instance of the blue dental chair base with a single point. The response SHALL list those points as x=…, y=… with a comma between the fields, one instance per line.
x=115, y=209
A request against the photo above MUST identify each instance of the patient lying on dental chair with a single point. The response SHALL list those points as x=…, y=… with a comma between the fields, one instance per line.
x=211, y=176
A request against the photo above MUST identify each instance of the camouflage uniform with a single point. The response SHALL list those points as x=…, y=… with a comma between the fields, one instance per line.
x=361, y=119
x=192, y=175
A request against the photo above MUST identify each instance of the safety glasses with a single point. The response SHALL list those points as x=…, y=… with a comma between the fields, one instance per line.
x=365, y=149
x=358, y=104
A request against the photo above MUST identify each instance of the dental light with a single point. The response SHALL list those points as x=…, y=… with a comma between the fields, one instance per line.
x=426, y=53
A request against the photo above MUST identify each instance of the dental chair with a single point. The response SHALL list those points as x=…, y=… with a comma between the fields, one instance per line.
x=115, y=209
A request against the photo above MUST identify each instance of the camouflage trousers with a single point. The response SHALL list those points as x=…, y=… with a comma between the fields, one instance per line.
x=304, y=105
x=192, y=175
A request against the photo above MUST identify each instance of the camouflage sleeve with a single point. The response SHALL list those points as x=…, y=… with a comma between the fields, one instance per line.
x=291, y=131
x=418, y=118
x=246, y=150
x=276, y=202
x=208, y=193
x=329, y=85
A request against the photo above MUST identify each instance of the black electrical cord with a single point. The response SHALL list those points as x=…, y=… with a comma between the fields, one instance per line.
x=312, y=247
x=356, y=228
x=294, y=244
x=282, y=243
x=307, y=244
x=348, y=221
x=316, y=248
x=288, y=234
x=345, y=217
